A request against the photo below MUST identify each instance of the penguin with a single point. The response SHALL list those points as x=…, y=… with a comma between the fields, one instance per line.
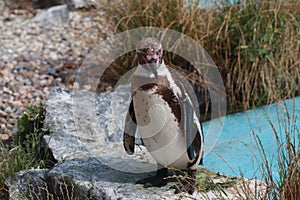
x=162, y=110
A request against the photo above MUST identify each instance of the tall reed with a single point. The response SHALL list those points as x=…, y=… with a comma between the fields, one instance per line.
x=255, y=44
x=287, y=146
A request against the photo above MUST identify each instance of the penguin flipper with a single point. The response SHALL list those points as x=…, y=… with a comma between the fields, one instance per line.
x=129, y=130
x=199, y=143
x=194, y=133
x=189, y=116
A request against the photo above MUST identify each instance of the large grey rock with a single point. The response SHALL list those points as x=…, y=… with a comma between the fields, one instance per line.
x=99, y=181
x=55, y=14
x=86, y=124
x=91, y=161
x=80, y=179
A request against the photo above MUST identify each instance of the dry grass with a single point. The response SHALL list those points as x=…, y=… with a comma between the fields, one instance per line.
x=258, y=50
x=287, y=135
x=256, y=45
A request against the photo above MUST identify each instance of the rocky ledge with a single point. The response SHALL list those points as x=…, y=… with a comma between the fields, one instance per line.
x=91, y=163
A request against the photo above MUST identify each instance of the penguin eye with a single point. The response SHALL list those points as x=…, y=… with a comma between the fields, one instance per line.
x=150, y=51
x=146, y=52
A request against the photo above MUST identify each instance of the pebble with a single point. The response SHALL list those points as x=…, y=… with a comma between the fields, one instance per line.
x=4, y=136
x=3, y=114
x=29, y=50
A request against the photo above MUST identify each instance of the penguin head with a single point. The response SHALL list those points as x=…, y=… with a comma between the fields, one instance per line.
x=149, y=52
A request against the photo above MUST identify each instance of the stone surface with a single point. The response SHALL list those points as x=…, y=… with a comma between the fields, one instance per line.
x=81, y=3
x=55, y=14
x=87, y=121
x=92, y=163
x=19, y=187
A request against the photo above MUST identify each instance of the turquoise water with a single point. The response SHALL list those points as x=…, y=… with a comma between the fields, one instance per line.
x=236, y=150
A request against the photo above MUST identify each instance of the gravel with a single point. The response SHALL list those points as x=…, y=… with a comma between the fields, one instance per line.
x=35, y=57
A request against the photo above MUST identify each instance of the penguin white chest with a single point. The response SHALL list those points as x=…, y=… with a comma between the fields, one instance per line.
x=159, y=126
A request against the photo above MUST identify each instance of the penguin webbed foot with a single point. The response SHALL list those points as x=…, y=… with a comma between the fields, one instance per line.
x=155, y=181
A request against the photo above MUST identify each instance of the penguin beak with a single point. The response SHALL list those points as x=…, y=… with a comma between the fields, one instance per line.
x=152, y=58
x=153, y=63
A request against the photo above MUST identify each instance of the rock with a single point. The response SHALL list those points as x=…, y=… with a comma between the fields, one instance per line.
x=86, y=141
x=55, y=14
x=2, y=5
x=4, y=136
x=87, y=121
x=81, y=3
x=77, y=179
x=3, y=114
x=28, y=184
x=99, y=181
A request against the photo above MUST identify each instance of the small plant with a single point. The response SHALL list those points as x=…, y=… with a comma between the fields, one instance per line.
x=28, y=150
x=206, y=181
x=29, y=135
x=211, y=181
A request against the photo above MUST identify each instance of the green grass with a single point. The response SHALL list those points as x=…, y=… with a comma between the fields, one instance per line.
x=211, y=181
x=27, y=151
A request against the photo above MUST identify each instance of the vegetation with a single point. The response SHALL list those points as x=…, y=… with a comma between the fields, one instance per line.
x=28, y=150
x=288, y=158
x=255, y=44
x=29, y=136
x=206, y=181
